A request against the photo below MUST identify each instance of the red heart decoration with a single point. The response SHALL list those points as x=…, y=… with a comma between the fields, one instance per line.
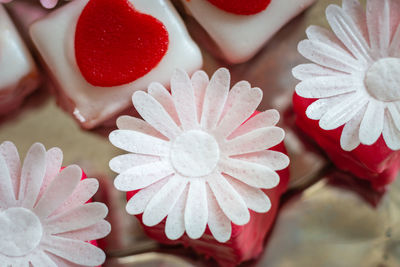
x=115, y=44
x=241, y=7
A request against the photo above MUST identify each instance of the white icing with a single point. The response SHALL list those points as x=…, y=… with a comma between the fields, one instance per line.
x=16, y=62
x=240, y=37
x=93, y=104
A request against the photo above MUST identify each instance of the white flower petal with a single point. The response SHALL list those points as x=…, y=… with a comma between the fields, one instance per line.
x=349, y=138
x=137, y=142
x=183, y=97
x=75, y=251
x=254, y=198
x=196, y=211
x=356, y=11
x=326, y=86
x=58, y=191
x=138, y=125
x=175, y=223
x=319, y=34
x=348, y=32
x=343, y=112
x=155, y=114
x=93, y=232
x=272, y=159
x=257, y=140
x=77, y=218
x=391, y=135
x=372, y=124
x=142, y=176
x=328, y=56
x=163, y=202
x=124, y=162
x=62, y=262
x=241, y=103
x=82, y=193
x=394, y=49
x=318, y=108
x=308, y=71
x=229, y=200
x=394, y=112
x=262, y=119
x=139, y=201
x=41, y=259
x=7, y=197
x=215, y=98
x=378, y=21
x=54, y=158
x=32, y=175
x=199, y=82
x=253, y=174
x=219, y=225
x=161, y=94
x=11, y=156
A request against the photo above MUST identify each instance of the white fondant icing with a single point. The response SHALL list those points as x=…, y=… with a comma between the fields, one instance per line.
x=240, y=37
x=54, y=38
x=18, y=73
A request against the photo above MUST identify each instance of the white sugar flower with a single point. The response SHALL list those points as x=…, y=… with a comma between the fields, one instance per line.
x=356, y=75
x=192, y=160
x=44, y=220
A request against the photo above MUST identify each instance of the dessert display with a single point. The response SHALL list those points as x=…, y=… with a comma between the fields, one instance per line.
x=348, y=99
x=240, y=28
x=202, y=166
x=21, y=77
x=102, y=51
x=198, y=173
x=45, y=219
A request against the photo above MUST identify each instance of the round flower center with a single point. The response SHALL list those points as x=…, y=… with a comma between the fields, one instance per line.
x=20, y=231
x=383, y=79
x=195, y=153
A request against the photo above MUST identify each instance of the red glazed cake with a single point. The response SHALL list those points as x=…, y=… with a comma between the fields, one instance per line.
x=199, y=171
x=348, y=99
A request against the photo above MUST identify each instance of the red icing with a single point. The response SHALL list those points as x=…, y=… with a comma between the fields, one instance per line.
x=376, y=163
x=115, y=44
x=241, y=7
x=246, y=242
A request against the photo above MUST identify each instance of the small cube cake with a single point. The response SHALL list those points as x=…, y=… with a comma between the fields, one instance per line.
x=100, y=52
x=18, y=73
x=240, y=28
x=203, y=168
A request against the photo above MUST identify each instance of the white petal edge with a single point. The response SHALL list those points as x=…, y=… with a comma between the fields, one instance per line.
x=175, y=223
x=219, y=225
x=196, y=210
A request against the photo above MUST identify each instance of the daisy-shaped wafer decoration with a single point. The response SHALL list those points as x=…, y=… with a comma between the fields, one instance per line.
x=44, y=220
x=192, y=160
x=356, y=72
x=45, y=3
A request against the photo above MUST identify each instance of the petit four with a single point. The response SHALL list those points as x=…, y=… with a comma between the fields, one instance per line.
x=204, y=169
x=45, y=3
x=348, y=99
x=45, y=217
x=240, y=28
x=18, y=73
x=100, y=52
